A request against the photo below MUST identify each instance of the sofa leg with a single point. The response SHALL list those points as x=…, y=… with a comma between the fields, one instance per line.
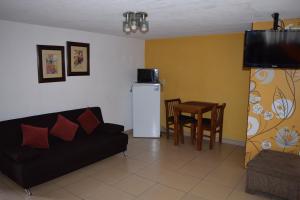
x=124, y=154
x=28, y=192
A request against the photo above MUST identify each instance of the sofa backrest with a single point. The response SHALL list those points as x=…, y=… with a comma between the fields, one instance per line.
x=10, y=130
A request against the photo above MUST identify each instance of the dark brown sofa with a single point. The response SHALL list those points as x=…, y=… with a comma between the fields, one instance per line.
x=29, y=167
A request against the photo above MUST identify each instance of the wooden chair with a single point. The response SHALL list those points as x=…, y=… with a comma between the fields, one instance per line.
x=208, y=126
x=185, y=121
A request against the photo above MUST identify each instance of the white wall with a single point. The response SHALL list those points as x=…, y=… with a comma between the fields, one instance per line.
x=113, y=64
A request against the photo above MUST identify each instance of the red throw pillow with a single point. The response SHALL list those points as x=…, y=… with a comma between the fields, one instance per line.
x=35, y=137
x=88, y=121
x=64, y=128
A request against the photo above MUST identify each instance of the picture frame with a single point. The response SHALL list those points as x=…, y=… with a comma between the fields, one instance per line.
x=51, y=63
x=78, y=58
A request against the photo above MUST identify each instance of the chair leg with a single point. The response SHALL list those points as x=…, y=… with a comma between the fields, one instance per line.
x=193, y=133
x=220, y=135
x=168, y=130
x=212, y=139
x=181, y=134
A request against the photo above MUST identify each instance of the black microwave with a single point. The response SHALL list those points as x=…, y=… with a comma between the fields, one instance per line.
x=148, y=75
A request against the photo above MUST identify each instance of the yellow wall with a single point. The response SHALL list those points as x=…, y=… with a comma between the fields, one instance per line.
x=204, y=68
x=273, y=121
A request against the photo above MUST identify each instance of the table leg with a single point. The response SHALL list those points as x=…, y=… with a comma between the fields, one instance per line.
x=181, y=135
x=213, y=127
x=199, y=132
x=176, y=126
x=193, y=132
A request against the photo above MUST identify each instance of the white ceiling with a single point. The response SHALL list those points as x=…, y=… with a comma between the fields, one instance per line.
x=167, y=18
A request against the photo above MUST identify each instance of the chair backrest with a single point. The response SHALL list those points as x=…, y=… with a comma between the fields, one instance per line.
x=220, y=114
x=169, y=103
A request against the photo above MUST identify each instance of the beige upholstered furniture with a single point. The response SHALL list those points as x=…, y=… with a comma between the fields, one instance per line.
x=274, y=173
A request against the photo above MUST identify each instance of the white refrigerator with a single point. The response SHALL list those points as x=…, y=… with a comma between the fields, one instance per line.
x=146, y=110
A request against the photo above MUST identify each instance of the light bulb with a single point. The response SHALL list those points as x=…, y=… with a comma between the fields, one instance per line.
x=126, y=27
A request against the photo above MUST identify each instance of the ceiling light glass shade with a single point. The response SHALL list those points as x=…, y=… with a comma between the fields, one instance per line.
x=133, y=25
x=126, y=27
x=144, y=27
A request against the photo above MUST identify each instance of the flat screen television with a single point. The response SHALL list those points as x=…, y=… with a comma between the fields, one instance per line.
x=272, y=49
x=148, y=75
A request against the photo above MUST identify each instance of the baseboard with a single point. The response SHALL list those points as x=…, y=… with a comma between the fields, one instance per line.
x=234, y=142
x=129, y=131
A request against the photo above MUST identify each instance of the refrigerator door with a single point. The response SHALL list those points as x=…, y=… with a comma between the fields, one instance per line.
x=146, y=110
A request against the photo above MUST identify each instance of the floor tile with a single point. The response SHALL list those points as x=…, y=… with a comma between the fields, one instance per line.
x=44, y=188
x=171, y=164
x=226, y=175
x=147, y=156
x=109, y=163
x=70, y=178
x=9, y=182
x=241, y=186
x=197, y=168
x=151, y=172
x=237, y=195
x=237, y=155
x=84, y=187
x=55, y=195
x=135, y=149
x=134, y=185
x=111, y=175
x=211, y=191
x=189, y=196
x=108, y=193
x=132, y=165
x=178, y=181
x=8, y=193
x=160, y=192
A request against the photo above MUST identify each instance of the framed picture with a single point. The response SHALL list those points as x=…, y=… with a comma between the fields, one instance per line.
x=78, y=58
x=51, y=63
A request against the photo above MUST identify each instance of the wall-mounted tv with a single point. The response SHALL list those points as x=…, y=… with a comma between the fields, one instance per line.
x=272, y=48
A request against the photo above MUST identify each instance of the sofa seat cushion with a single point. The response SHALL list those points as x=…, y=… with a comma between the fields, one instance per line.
x=23, y=154
x=81, y=147
x=108, y=128
x=66, y=150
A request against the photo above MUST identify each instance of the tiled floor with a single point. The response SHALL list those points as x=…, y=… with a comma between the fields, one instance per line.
x=154, y=169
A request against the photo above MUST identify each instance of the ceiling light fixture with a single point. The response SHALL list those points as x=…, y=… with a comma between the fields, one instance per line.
x=135, y=21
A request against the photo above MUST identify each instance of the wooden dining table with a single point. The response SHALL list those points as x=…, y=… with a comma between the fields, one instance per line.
x=197, y=109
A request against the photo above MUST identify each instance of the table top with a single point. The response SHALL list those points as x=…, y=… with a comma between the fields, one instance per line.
x=200, y=103
x=194, y=107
